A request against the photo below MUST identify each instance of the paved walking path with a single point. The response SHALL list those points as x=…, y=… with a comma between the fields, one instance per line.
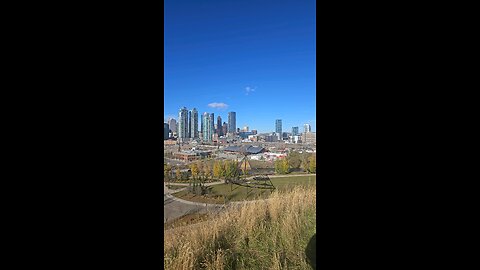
x=175, y=207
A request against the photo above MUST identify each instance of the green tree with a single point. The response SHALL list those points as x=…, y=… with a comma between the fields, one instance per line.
x=313, y=164
x=285, y=166
x=278, y=166
x=294, y=159
x=305, y=163
x=281, y=166
x=231, y=169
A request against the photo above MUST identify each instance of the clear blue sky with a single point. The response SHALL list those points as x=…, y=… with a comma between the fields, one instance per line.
x=256, y=57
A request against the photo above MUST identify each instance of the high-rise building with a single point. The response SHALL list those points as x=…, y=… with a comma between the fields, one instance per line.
x=224, y=128
x=294, y=131
x=189, y=127
x=232, y=122
x=172, y=123
x=194, y=123
x=208, y=122
x=182, y=124
x=212, y=125
x=166, y=129
x=307, y=128
x=278, y=128
x=202, y=126
x=219, y=126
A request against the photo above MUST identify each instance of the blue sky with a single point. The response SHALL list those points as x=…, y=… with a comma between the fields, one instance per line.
x=254, y=57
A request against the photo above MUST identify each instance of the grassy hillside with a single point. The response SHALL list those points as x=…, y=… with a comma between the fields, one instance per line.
x=270, y=234
x=225, y=192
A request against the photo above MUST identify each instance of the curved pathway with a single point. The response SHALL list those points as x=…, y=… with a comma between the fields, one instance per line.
x=175, y=207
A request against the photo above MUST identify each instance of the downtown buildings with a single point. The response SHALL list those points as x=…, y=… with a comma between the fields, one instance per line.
x=295, y=131
x=182, y=125
x=232, y=122
x=172, y=123
x=210, y=130
x=208, y=127
x=166, y=130
x=278, y=128
x=194, y=124
x=307, y=128
x=187, y=124
x=219, y=126
x=213, y=131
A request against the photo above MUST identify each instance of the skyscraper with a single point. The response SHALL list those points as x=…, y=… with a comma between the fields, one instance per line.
x=189, y=127
x=212, y=126
x=219, y=126
x=182, y=124
x=278, y=128
x=172, y=123
x=307, y=128
x=294, y=131
x=224, y=129
x=202, y=126
x=194, y=123
x=208, y=123
x=232, y=122
x=166, y=129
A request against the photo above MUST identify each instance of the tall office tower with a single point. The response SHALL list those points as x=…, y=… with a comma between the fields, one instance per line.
x=307, y=128
x=212, y=126
x=294, y=131
x=207, y=127
x=202, y=126
x=194, y=123
x=278, y=128
x=189, y=125
x=232, y=124
x=166, y=129
x=172, y=123
x=224, y=129
x=219, y=126
x=182, y=124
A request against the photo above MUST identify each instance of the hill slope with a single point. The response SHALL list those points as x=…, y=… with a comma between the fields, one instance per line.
x=267, y=234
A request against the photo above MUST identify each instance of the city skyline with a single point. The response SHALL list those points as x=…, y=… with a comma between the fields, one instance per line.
x=261, y=66
x=274, y=125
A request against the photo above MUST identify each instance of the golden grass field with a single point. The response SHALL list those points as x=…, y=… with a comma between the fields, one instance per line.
x=264, y=234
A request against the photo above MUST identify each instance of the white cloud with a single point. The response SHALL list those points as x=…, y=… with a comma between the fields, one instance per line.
x=220, y=105
x=249, y=89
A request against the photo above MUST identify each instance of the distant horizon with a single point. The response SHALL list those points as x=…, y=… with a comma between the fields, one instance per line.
x=255, y=58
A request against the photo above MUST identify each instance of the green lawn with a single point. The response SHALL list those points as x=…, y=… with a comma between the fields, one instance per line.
x=225, y=192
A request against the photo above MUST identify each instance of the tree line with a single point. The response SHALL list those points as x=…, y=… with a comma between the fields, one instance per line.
x=204, y=171
x=294, y=161
x=230, y=169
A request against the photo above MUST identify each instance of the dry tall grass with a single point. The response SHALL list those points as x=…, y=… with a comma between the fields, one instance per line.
x=267, y=234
